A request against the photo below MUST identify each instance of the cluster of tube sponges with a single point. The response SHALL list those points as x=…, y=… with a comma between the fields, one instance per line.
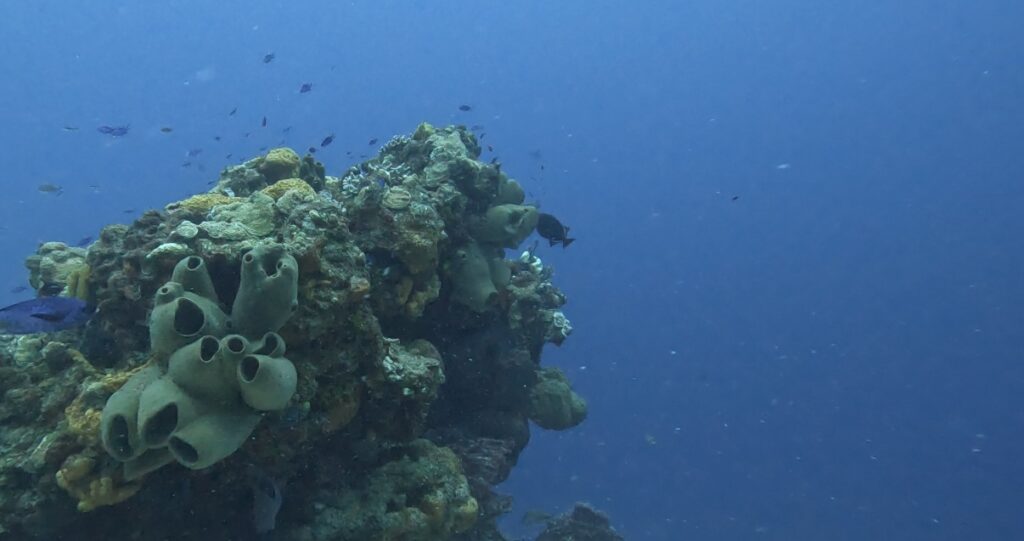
x=212, y=373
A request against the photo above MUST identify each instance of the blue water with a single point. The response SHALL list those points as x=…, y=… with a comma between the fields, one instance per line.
x=835, y=354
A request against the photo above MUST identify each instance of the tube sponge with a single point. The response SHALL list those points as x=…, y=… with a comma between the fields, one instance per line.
x=268, y=291
x=211, y=438
x=163, y=408
x=180, y=317
x=194, y=277
x=506, y=225
x=471, y=278
x=267, y=383
x=120, y=416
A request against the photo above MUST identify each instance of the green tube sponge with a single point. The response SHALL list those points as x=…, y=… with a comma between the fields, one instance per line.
x=211, y=437
x=271, y=345
x=232, y=348
x=163, y=408
x=119, y=420
x=151, y=460
x=509, y=191
x=505, y=225
x=268, y=291
x=267, y=383
x=553, y=403
x=180, y=317
x=472, y=285
x=197, y=369
x=194, y=277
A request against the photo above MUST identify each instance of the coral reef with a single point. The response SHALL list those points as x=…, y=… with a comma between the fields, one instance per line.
x=413, y=363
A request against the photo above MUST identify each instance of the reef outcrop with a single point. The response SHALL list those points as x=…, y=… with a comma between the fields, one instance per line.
x=411, y=377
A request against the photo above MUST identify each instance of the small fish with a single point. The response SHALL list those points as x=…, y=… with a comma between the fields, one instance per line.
x=186, y=164
x=233, y=111
x=43, y=314
x=286, y=130
x=70, y=128
x=261, y=149
x=114, y=131
x=490, y=148
x=735, y=197
x=306, y=87
x=312, y=150
x=166, y=129
x=536, y=154
x=194, y=152
x=19, y=289
x=128, y=211
x=268, y=58
x=50, y=188
x=228, y=157
x=477, y=127
x=551, y=229
x=216, y=138
x=536, y=517
x=327, y=140
x=482, y=135
x=247, y=134
x=84, y=241
x=464, y=108
x=372, y=141
x=263, y=124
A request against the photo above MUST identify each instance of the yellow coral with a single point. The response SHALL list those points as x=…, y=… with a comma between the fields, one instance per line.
x=277, y=189
x=84, y=421
x=202, y=203
x=78, y=283
x=77, y=476
x=465, y=515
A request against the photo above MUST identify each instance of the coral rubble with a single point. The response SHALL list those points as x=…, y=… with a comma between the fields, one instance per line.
x=413, y=360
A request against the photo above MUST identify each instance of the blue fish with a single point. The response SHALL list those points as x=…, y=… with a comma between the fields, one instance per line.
x=44, y=314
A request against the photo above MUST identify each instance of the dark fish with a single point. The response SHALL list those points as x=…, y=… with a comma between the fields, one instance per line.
x=266, y=501
x=312, y=150
x=477, y=127
x=268, y=58
x=551, y=229
x=216, y=138
x=286, y=130
x=70, y=128
x=19, y=289
x=43, y=314
x=261, y=149
x=84, y=241
x=247, y=134
x=194, y=152
x=306, y=87
x=482, y=135
x=535, y=154
x=114, y=131
x=50, y=188
x=228, y=157
x=263, y=124
x=490, y=148
x=233, y=111
x=128, y=211
x=167, y=129
x=465, y=107
x=186, y=164
x=372, y=141
x=327, y=140
x=735, y=197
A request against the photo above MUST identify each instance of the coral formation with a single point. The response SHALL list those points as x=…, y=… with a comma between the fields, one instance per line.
x=412, y=372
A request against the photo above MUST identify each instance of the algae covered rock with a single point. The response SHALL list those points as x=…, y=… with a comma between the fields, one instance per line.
x=553, y=403
x=280, y=163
